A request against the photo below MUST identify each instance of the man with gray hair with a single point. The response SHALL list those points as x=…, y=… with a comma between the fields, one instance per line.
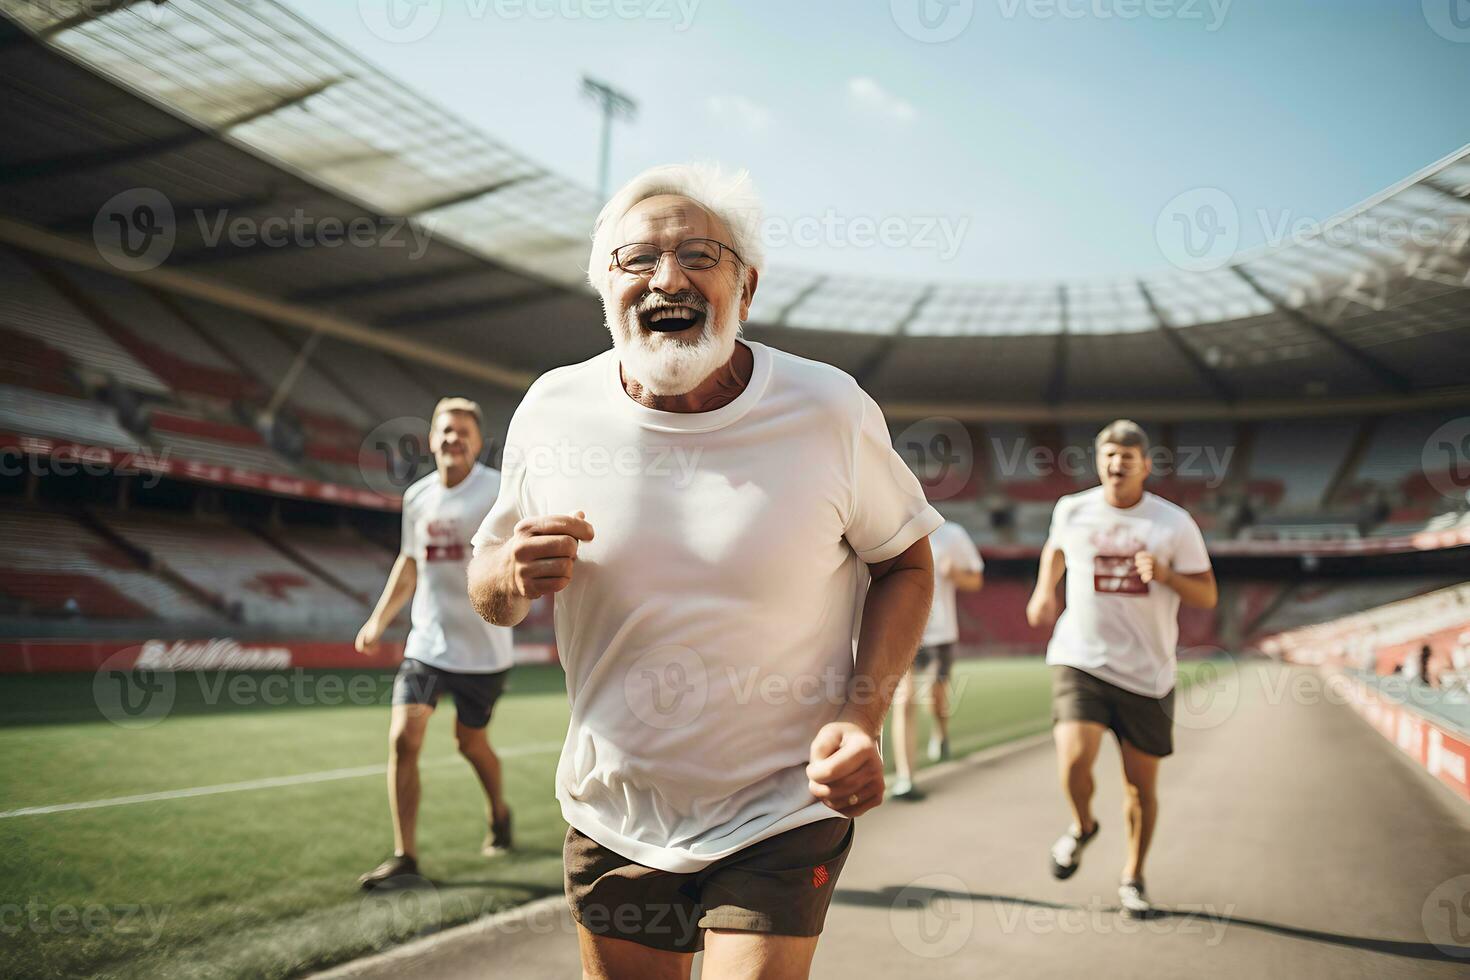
x=715, y=518
x=1130, y=558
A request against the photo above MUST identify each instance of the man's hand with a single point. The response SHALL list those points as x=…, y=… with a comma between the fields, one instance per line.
x=368, y=638
x=541, y=553
x=946, y=567
x=1152, y=568
x=846, y=771
x=1042, y=610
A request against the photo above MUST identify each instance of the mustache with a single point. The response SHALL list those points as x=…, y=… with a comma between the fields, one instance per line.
x=658, y=301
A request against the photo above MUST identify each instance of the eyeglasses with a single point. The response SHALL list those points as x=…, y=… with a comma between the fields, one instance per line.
x=693, y=254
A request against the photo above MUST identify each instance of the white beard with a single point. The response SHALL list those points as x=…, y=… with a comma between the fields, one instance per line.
x=668, y=366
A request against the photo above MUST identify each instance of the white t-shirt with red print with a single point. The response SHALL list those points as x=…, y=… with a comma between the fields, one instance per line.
x=438, y=522
x=1115, y=626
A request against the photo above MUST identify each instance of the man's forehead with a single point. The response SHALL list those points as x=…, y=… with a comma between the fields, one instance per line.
x=672, y=215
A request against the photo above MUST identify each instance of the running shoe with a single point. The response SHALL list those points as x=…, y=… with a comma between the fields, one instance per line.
x=397, y=866
x=498, y=840
x=1134, y=899
x=1066, y=853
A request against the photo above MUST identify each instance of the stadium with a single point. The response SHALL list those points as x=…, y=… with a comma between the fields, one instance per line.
x=240, y=264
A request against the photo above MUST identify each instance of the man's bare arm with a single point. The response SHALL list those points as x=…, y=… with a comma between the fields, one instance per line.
x=894, y=614
x=402, y=580
x=534, y=561
x=846, y=769
x=1043, y=608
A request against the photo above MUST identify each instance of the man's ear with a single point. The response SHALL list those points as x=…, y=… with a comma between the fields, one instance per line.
x=747, y=292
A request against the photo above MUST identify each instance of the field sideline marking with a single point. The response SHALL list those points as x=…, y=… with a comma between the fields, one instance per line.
x=323, y=776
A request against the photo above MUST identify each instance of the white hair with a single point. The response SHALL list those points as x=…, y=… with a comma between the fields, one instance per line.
x=730, y=197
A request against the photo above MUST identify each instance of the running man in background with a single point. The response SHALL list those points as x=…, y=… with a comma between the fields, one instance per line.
x=957, y=567
x=1130, y=559
x=450, y=648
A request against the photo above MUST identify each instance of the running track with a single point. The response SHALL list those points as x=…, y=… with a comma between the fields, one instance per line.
x=1294, y=842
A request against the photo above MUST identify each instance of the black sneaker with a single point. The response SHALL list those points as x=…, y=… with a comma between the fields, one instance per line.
x=1066, y=853
x=397, y=866
x=498, y=841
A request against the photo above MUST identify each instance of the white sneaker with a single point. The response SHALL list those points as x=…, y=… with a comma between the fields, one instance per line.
x=1066, y=853
x=1134, y=899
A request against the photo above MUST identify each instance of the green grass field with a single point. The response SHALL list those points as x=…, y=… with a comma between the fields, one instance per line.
x=260, y=882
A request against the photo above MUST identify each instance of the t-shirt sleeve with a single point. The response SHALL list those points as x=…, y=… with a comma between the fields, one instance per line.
x=1190, y=554
x=888, y=511
x=1060, y=514
x=966, y=555
x=508, y=510
x=408, y=545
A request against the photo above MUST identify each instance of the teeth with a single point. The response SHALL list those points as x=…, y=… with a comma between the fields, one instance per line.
x=664, y=312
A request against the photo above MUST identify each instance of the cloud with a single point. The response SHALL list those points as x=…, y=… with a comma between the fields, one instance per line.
x=751, y=115
x=871, y=97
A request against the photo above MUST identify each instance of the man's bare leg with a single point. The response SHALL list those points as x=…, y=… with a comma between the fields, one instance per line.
x=1140, y=805
x=1077, y=747
x=474, y=745
x=405, y=740
x=941, y=707
x=904, y=736
x=732, y=955
x=606, y=958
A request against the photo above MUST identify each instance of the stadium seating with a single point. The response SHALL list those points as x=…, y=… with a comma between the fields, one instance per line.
x=266, y=587
x=29, y=305
x=50, y=565
x=56, y=416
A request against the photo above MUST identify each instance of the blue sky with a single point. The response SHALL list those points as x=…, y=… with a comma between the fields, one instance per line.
x=1041, y=142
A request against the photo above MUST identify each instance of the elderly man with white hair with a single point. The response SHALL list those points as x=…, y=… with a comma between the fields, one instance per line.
x=742, y=574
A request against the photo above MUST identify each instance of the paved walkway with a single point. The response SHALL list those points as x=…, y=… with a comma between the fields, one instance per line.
x=1293, y=842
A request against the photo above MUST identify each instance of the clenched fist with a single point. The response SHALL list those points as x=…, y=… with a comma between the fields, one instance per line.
x=540, y=555
x=1152, y=568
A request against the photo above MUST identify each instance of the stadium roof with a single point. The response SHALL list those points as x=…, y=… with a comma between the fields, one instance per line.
x=248, y=108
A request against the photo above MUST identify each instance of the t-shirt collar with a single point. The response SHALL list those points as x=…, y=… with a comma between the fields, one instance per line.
x=651, y=418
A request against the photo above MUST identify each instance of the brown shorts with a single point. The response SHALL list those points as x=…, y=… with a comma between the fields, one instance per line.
x=781, y=885
x=1143, y=722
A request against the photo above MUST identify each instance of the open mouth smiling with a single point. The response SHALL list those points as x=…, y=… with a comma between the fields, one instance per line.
x=670, y=319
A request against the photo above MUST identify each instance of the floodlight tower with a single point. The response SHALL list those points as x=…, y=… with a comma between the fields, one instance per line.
x=614, y=105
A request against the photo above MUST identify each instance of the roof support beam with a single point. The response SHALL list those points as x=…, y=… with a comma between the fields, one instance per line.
x=498, y=304
x=378, y=287
x=1212, y=378
x=875, y=360
x=460, y=197
x=1382, y=373
x=1056, y=387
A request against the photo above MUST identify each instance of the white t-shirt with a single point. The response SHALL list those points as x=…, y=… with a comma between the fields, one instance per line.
x=437, y=524
x=953, y=542
x=1115, y=626
x=710, y=627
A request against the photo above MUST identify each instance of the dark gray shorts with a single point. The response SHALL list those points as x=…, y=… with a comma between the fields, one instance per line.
x=941, y=655
x=1143, y=722
x=781, y=885
x=474, y=694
